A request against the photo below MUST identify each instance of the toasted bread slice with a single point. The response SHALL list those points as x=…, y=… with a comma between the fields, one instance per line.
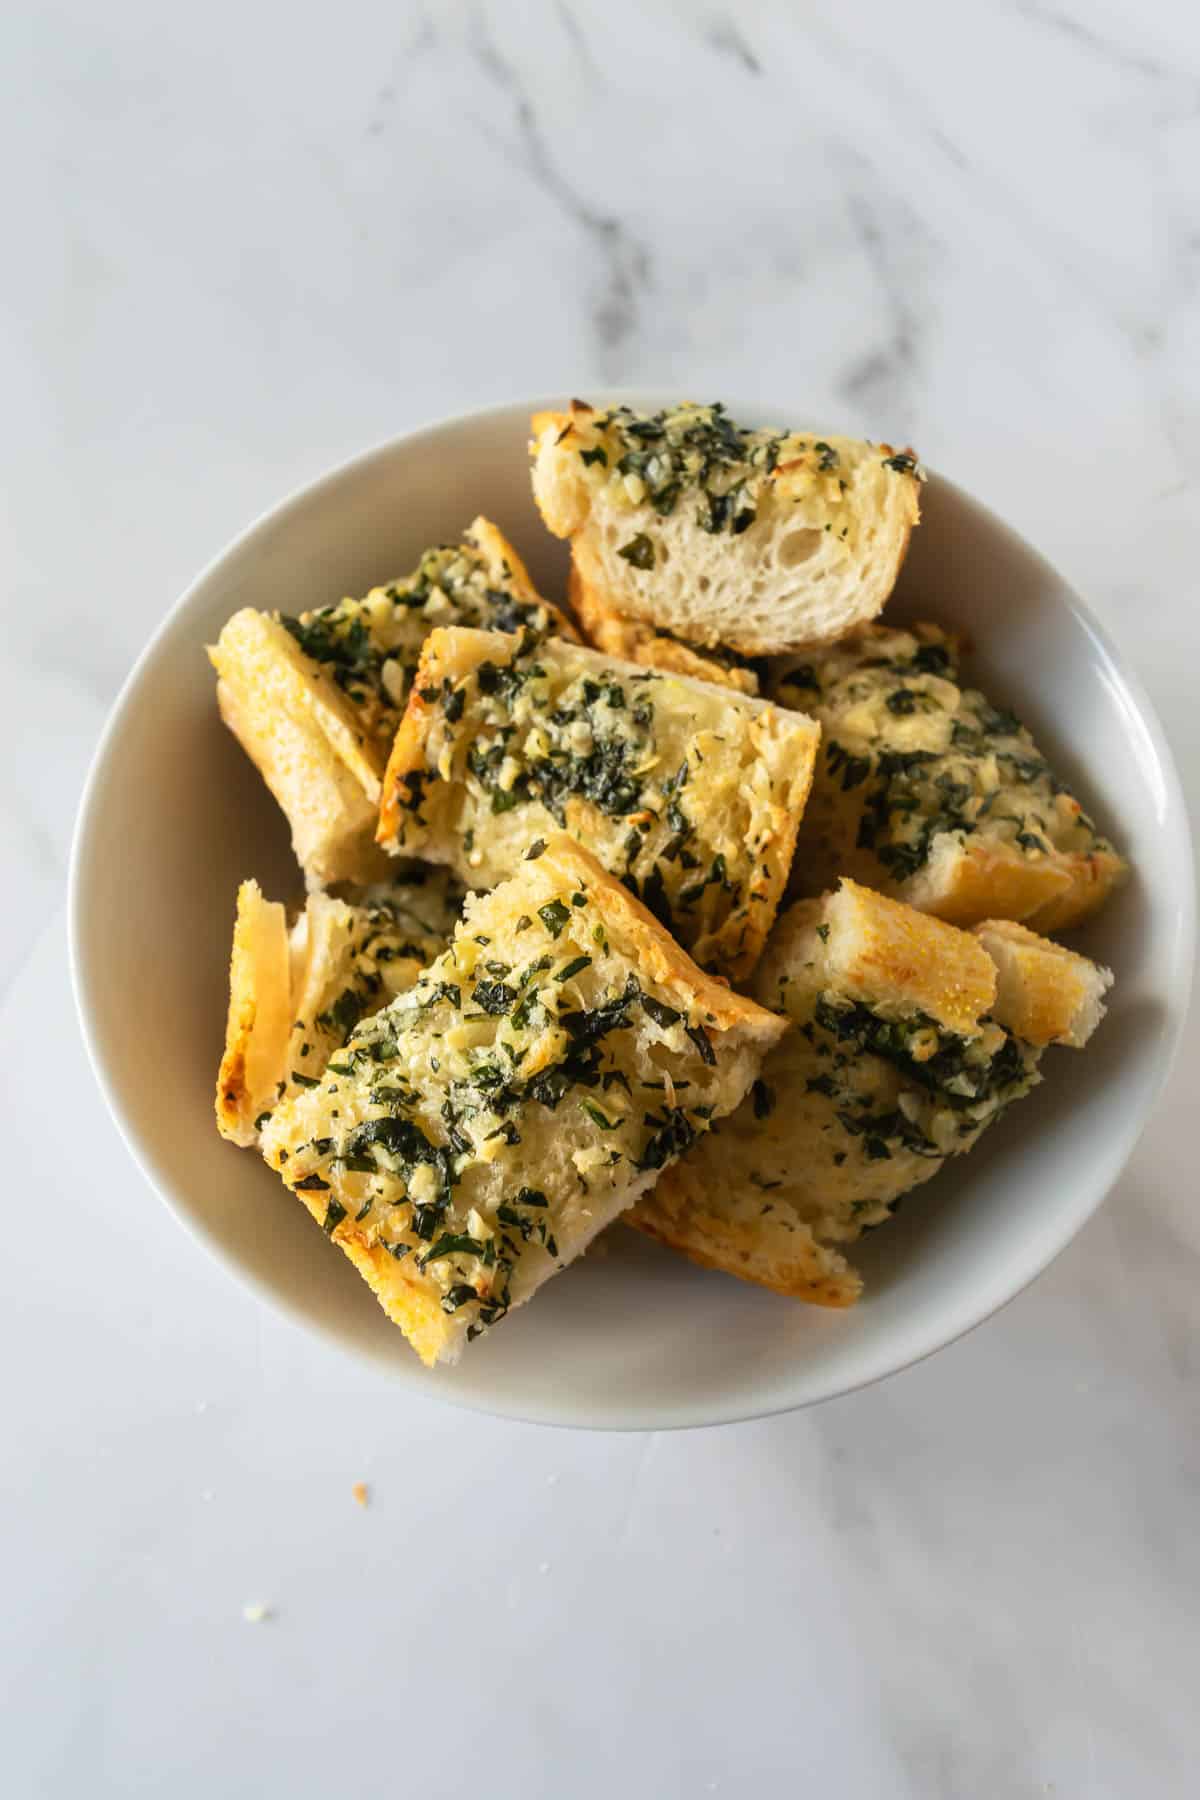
x=909, y=1038
x=690, y=792
x=633, y=641
x=315, y=700
x=759, y=541
x=927, y=791
x=294, y=724
x=475, y=1135
x=295, y=997
x=1044, y=994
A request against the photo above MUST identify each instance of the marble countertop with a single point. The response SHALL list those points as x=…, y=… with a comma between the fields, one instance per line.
x=245, y=241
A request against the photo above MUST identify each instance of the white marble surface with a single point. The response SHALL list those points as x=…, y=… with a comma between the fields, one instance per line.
x=243, y=241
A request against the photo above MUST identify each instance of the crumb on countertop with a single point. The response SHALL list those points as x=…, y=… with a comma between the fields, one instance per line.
x=360, y=1493
x=255, y=1613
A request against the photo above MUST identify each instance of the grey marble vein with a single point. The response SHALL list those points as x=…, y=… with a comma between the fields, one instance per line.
x=725, y=36
x=624, y=260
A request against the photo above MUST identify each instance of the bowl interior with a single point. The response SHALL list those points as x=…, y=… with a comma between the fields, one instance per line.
x=175, y=816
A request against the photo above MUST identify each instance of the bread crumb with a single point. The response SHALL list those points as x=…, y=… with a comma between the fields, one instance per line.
x=255, y=1613
x=359, y=1490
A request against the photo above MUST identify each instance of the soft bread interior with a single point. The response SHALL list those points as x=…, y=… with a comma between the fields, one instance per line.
x=633, y=640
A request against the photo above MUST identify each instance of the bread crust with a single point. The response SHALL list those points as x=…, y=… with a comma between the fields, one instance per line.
x=1046, y=993
x=259, y=1019
x=887, y=954
x=652, y=949
x=681, y=1214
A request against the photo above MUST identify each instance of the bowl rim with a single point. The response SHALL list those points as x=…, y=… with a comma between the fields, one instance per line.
x=940, y=1335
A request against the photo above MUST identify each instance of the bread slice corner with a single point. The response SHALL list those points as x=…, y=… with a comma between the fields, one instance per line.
x=870, y=948
x=299, y=731
x=1046, y=994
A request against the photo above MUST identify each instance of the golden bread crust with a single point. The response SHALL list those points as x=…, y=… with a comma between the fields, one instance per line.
x=966, y=880
x=883, y=953
x=652, y=949
x=1091, y=879
x=294, y=726
x=684, y=1213
x=1047, y=993
x=899, y=957
x=507, y=570
x=289, y=991
x=259, y=1019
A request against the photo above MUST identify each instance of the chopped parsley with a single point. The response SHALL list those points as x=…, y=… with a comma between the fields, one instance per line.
x=554, y=915
x=639, y=551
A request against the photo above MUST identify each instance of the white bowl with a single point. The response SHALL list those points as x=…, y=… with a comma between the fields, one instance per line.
x=174, y=816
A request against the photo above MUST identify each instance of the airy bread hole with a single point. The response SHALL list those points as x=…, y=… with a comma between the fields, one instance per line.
x=797, y=547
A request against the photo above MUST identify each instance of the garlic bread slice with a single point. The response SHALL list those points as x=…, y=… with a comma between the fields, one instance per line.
x=475, y=1135
x=296, y=996
x=755, y=540
x=689, y=792
x=927, y=791
x=315, y=700
x=910, y=1037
